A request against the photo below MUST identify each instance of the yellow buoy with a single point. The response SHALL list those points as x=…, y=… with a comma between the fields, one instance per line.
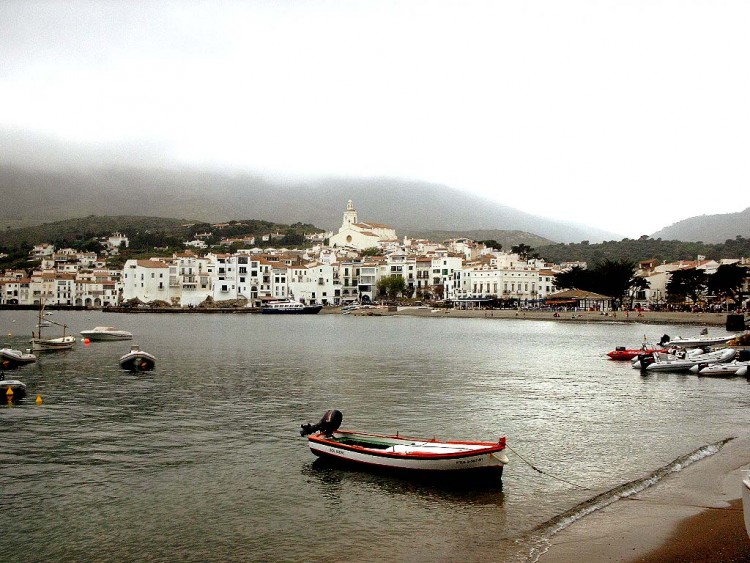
x=38, y=400
x=9, y=392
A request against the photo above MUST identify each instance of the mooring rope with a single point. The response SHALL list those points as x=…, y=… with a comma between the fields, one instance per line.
x=543, y=472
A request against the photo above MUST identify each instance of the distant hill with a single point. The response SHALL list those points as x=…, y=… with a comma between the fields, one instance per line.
x=708, y=228
x=33, y=197
x=90, y=227
x=508, y=239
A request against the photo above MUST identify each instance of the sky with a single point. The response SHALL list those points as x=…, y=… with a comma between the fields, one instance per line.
x=623, y=115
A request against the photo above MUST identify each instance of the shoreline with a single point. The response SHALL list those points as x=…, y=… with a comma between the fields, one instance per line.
x=647, y=317
x=693, y=515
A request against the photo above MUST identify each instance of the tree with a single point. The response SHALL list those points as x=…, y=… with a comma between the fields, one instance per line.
x=523, y=251
x=391, y=286
x=614, y=278
x=690, y=283
x=727, y=281
x=491, y=243
x=575, y=278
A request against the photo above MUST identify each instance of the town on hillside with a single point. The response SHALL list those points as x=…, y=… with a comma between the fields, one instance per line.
x=364, y=262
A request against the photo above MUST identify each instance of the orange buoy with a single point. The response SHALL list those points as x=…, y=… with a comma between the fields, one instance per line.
x=86, y=341
x=38, y=400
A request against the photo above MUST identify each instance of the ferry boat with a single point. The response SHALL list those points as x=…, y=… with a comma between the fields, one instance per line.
x=288, y=307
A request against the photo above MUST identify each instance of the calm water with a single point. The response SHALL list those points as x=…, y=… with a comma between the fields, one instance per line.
x=201, y=460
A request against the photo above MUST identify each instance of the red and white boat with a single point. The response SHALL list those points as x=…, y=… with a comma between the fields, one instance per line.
x=380, y=451
x=623, y=353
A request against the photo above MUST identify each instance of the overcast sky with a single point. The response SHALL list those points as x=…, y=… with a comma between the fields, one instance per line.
x=627, y=115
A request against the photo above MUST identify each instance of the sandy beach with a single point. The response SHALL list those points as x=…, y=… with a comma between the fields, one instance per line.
x=692, y=515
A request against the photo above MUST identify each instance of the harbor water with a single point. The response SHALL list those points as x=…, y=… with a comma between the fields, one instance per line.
x=201, y=459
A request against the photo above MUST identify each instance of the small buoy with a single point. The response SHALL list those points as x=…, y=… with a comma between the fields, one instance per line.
x=86, y=341
x=38, y=400
x=10, y=335
x=9, y=393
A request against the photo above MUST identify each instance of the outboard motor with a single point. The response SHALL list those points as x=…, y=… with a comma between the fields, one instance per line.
x=645, y=360
x=328, y=424
x=664, y=340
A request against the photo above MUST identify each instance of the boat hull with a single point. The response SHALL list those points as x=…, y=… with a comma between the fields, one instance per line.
x=53, y=344
x=307, y=310
x=722, y=370
x=407, y=455
x=105, y=336
x=624, y=354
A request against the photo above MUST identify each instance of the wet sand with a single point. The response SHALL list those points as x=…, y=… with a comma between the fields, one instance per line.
x=694, y=515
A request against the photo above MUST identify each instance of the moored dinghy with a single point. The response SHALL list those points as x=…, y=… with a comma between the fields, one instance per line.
x=137, y=360
x=12, y=390
x=383, y=452
x=11, y=358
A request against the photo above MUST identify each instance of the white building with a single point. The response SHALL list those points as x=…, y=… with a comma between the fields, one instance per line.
x=315, y=283
x=361, y=235
x=147, y=280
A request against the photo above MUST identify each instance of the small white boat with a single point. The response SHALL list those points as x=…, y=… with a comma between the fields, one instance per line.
x=42, y=344
x=106, y=333
x=655, y=363
x=12, y=390
x=701, y=341
x=727, y=369
x=746, y=499
x=65, y=342
x=137, y=360
x=383, y=452
x=10, y=358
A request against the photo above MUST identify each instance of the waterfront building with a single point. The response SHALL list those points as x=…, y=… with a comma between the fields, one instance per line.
x=315, y=283
x=146, y=280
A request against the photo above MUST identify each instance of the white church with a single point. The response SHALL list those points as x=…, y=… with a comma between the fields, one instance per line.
x=354, y=234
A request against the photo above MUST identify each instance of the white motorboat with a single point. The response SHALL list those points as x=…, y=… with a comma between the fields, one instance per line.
x=417, y=456
x=701, y=341
x=746, y=499
x=106, y=333
x=137, y=360
x=727, y=369
x=653, y=362
x=673, y=353
x=10, y=358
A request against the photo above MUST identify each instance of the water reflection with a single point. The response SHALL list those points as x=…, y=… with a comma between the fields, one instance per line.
x=482, y=489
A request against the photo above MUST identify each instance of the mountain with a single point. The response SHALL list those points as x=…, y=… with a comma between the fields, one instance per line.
x=37, y=196
x=708, y=228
